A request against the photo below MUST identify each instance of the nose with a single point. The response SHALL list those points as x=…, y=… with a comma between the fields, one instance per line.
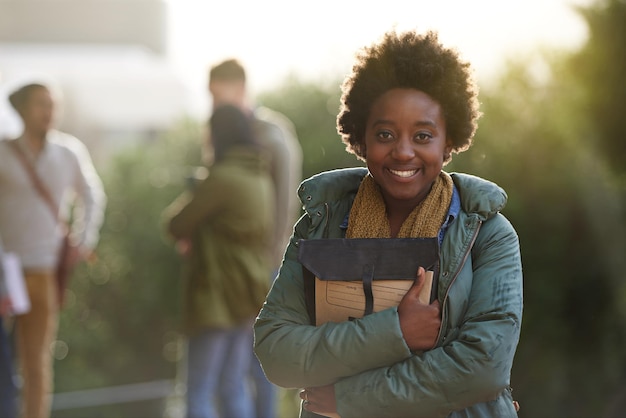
x=403, y=150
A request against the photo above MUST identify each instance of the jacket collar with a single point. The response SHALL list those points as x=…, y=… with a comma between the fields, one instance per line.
x=479, y=196
x=330, y=186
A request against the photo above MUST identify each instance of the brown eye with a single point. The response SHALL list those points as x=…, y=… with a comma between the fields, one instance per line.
x=423, y=137
x=385, y=136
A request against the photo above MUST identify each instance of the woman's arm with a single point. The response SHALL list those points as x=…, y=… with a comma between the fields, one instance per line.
x=474, y=362
x=376, y=372
x=296, y=354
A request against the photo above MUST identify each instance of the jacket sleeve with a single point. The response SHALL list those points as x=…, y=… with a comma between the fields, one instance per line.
x=190, y=209
x=472, y=363
x=296, y=354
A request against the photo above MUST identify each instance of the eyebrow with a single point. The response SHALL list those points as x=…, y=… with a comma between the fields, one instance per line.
x=420, y=123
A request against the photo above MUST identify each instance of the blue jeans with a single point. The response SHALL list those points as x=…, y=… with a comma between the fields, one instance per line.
x=265, y=392
x=8, y=390
x=218, y=362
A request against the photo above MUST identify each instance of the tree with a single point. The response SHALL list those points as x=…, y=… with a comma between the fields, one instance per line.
x=120, y=325
x=563, y=204
x=313, y=108
x=599, y=68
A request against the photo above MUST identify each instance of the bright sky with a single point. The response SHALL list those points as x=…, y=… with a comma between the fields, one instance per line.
x=316, y=40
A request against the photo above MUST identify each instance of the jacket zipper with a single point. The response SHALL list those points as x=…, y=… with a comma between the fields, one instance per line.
x=326, y=219
x=456, y=274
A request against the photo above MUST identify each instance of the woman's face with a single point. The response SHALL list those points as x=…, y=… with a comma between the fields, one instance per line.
x=405, y=143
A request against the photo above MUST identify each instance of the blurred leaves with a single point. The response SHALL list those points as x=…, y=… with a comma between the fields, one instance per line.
x=313, y=108
x=120, y=325
x=555, y=144
x=599, y=69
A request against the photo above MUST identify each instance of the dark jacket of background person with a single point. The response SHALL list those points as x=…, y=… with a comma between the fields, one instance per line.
x=466, y=374
x=277, y=134
x=229, y=219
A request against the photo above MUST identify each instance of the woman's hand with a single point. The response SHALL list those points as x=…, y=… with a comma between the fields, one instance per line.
x=320, y=400
x=419, y=322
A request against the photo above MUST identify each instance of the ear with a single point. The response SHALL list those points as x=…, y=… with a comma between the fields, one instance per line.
x=447, y=151
x=362, y=149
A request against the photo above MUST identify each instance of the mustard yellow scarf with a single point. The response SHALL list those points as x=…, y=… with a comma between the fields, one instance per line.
x=368, y=216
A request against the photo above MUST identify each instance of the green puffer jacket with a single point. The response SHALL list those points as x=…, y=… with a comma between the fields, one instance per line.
x=229, y=219
x=375, y=374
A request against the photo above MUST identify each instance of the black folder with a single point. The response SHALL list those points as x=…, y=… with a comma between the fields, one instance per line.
x=351, y=278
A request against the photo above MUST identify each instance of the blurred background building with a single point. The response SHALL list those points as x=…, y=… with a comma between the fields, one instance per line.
x=108, y=59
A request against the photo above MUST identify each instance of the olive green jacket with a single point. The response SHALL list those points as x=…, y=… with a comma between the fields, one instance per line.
x=229, y=220
x=374, y=373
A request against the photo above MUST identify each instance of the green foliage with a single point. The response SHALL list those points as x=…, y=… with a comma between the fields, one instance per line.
x=313, y=109
x=564, y=205
x=120, y=323
x=599, y=69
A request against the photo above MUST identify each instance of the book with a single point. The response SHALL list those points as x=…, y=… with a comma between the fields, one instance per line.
x=350, y=278
x=337, y=300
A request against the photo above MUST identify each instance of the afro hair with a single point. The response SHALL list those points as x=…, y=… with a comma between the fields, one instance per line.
x=412, y=61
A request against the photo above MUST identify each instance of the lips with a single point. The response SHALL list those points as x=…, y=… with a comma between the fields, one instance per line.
x=403, y=173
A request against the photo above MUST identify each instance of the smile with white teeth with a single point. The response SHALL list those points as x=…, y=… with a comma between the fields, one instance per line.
x=403, y=173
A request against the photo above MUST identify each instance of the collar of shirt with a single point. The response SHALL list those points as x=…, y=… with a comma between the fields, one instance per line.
x=453, y=212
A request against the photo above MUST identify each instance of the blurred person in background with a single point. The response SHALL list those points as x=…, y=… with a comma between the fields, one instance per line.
x=8, y=389
x=224, y=227
x=32, y=231
x=227, y=85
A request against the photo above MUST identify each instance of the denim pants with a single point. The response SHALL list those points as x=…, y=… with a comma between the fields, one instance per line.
x=218, y=362
x=265, y=395
x=265, y=392
x=8, y=390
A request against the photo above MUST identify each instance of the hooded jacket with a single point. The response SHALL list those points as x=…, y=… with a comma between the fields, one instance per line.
x=375, y=374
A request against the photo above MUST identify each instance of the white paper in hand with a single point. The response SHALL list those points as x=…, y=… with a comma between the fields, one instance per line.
x=14, y=278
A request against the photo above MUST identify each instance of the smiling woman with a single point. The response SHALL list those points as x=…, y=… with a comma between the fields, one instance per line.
x=407, y=104
x=405, y=148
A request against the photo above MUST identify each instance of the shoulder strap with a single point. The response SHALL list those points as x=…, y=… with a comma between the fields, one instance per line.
x=39, y=186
